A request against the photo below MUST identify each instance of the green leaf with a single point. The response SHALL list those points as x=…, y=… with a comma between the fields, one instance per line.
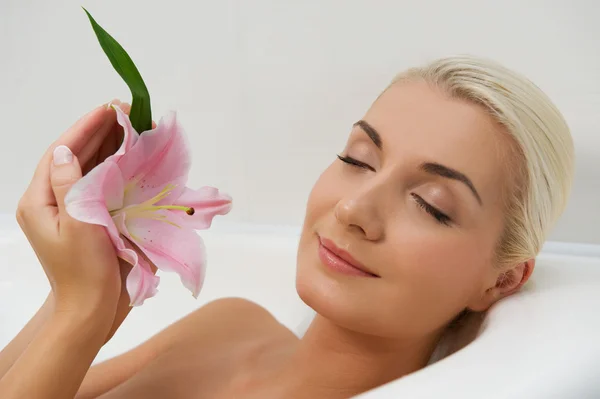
x=141, y=113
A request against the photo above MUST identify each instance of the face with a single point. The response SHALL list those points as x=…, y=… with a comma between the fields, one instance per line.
x=400, y=231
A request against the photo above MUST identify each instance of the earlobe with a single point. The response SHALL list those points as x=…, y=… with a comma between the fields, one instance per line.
x=507, y=283
x=487, y=299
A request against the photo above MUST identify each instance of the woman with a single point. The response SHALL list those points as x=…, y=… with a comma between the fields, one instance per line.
x=437, y=206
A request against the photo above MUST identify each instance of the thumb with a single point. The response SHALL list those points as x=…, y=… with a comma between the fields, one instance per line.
x=64, y=172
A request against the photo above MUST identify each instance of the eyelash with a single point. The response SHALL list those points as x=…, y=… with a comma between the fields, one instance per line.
x=355, y=162
x=442, y=218
x=434, y=212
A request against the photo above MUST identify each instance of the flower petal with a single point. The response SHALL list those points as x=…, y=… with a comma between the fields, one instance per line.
x=160, y=157
x=141, y=282
x=171, y=248
x=91, y=199
x=124, y=250
x=207, y=203
x=100, y=190
x=130, y=136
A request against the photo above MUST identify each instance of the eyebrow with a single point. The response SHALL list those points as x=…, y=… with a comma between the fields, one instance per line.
x=444, y=171
x=429, y=167
x=371, y=132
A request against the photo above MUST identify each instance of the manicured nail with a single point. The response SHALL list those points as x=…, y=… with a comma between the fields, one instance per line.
x=115, y=101
x=62, y=155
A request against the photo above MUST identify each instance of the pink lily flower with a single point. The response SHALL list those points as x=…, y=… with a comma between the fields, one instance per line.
x=139, y=195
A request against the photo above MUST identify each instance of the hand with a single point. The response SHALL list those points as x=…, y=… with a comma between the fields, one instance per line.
x=52, y=354
x=78, y=258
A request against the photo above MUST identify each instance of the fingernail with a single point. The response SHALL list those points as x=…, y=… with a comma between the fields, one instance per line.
x=62, y=155
x=115, y=101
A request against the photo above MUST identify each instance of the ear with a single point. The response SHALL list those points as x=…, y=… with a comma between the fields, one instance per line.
x=506, y=283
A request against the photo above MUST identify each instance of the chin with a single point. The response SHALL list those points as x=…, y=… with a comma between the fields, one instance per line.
x=340, y=299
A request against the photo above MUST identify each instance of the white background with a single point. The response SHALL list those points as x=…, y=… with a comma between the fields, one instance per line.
x=268, y=90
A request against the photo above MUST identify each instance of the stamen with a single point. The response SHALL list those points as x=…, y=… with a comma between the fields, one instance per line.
x=164, y=192
x=172, y=224
x=148, y=209
x=174, y=207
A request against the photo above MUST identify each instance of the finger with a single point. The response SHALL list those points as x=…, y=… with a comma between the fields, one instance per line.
x=115, y=139
x=84, y=138
x=90, y=149
x=111, y=143
x=108, y=147
x=64, y=172
x=77, y=136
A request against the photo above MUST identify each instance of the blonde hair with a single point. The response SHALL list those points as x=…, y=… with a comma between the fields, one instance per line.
x=542, y=173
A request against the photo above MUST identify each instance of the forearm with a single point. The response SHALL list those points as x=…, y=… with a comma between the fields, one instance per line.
x=12, y=351
x=55, y=362
x=123, y=307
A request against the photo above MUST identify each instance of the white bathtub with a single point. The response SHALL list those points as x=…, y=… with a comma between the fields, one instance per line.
x=255, y=263
x=541, y=343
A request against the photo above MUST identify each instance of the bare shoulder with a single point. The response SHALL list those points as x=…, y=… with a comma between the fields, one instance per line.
x=229, y=319
x=212, y=343
x=237, y=309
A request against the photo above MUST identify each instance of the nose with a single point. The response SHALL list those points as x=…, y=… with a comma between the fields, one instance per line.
x=361, y=211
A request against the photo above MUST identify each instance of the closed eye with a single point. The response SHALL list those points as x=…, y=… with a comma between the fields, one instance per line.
x=433, y=211
x=355, y=162
x=438, y=215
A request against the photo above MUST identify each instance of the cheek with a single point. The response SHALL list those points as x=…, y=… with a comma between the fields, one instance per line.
x=311, y=287
x=314, y=287
x=323, y=197
x=433, y=276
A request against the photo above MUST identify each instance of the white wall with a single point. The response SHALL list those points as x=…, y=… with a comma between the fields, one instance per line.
x=268, y=89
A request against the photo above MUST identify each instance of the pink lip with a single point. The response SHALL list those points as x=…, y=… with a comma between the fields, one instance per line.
x=340, y=260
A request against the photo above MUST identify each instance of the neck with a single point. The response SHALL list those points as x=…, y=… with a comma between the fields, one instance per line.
x=334, y=362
